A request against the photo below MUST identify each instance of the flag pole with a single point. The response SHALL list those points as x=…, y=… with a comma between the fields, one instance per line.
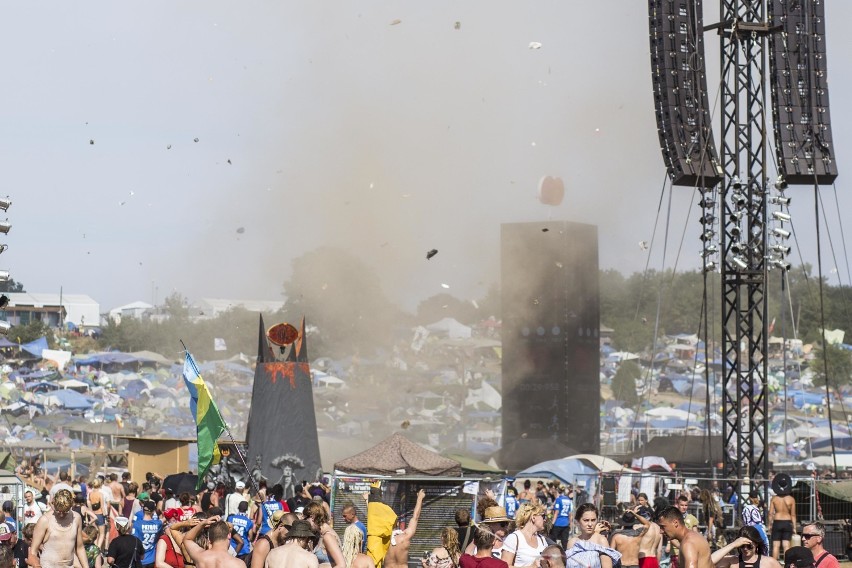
x=230, y=435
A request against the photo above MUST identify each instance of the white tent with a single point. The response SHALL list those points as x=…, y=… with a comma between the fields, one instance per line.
x=453, y=328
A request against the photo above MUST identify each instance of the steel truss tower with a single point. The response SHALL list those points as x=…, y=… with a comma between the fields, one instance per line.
x=743, y=208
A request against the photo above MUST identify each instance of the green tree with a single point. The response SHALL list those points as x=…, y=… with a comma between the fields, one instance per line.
x=11, y=286
x=839, y=363
x=624, y=383
x=31, y=331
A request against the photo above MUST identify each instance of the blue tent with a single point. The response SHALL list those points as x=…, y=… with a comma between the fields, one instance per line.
x=565, y=469
x=35, y=347
x=72, y=400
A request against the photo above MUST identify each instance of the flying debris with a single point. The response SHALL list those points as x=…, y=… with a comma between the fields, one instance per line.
x=195, y=139
x=545, y=230
x=431, y=253
x=132, y=193
x=475, y=305
x=395, y=22
x=535, y=45
x=445, y=285
x=91, y=142
x=229, y=161
x=559, y=265
x=121, y=203
x=457, y=25
x=643, y=245
x=169, y=147
x=241, y=230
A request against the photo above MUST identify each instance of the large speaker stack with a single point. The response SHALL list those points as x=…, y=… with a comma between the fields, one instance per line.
x=551, y=341
x=797, y=65
x=680, y=93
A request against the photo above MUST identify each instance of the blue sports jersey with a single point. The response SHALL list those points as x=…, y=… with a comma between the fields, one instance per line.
x=511, y=506
x=148, y=530
x=267, y=509
x=562, y=508
x=242, y=525
x=363, y=530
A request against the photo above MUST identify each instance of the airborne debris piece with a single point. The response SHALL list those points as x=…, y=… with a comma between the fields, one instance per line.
x=169, y=147
x=475, y=305
x=545, y=230
x=132, y=193
x=643, y=245
x=431, y=253
x=195, y=139
x=92, y=142
x=241, y=230
x=535, y=45
x=457, y=25
x=445, y=285
x=559, y=265
x=395, y=22
x=122, y=202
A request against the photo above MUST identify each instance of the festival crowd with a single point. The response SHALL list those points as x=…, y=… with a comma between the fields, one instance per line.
x=121, y=523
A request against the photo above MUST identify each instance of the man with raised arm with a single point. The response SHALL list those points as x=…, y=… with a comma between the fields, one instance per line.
x=694, y=549
x=216, y=556
x=397, y=556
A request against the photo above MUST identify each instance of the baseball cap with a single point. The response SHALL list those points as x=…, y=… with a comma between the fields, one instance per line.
x=5, y=532
x=173, y=514
x=276, y=518
x=240, y=485
x=149, y=505
x=122, y=521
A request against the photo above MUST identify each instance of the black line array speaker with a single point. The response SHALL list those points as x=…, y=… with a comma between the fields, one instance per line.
x=799, y=82
x=551, y=340
x=680, y=92
x=836, y=539
x=609, y=487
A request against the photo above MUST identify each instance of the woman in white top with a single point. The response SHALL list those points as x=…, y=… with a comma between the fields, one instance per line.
x=523, y=547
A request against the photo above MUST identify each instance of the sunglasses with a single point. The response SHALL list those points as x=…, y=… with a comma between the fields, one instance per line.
x=747, y=547
x=806, y=536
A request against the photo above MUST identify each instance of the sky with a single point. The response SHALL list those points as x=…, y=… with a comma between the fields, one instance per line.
x=198, y=147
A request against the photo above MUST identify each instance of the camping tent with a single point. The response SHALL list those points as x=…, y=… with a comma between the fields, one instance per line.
x=396, y=454
x=453, y=328
x=568, y=469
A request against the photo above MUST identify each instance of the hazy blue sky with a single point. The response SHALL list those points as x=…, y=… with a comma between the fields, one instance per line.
x=342, y=128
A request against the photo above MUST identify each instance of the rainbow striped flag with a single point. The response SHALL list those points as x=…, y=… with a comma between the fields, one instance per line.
x=208, y=421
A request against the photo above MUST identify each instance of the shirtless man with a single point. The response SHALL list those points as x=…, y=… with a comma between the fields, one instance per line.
x=118, y=493
x=60, y=533
x=782, y=522
x=297, y=550
x=397, y=556
x=216, y=556
x=637, y=545
x=649, y=546
x=281, y=523
x=694, y=549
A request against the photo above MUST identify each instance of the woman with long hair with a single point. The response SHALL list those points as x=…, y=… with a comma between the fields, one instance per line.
x=747, y=551
x=712, y=513
x=523, y=547
x=590, y=548
x=446, y=555
x=328, y=550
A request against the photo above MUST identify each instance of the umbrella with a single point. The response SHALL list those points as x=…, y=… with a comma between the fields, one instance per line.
x=181, y=482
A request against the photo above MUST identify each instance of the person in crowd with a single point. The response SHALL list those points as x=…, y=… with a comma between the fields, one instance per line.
x=712, y=514
x=98, y=506
x=147, y=530
x=553, y=556
x=125, y=481
x=782, y=522
x=297, y=549
x=350, y=517
x=328, y=549
x=168, y=552
x=21, y=549
x=541, y=493
x=233, y=499
x=117, y=490
x=526, y=496
x=626, y=540
x=748, y=550
x=63, y=483
x=208, y=498
x=813, y=536
x=752, y=517
x=590, y=548
x=81, y=509
x=483, y=543
x=353, y=545
x=464, y=528
x=522, y=547
x=130, y=505
x=263, y=518
x=244, y=527
x=7, y=559
x=495, y=521
x=511, y=502
x=281, y=523
x=58, y=535
x=798, y=557
x=90, y=543
x=215, y=554
x=172, y=502
x=33, y=510
x=444, y=556
x=694, y=549
x=9, y=510
x=299, y=499
x=563, y=510
x=397, y=555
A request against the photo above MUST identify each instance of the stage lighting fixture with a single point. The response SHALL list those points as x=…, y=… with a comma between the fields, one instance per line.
x=4, y=301
x=738, y=248
x=709, y=251
x=780, y=216
x=736, y=232
x=707, y=219
x=3, y=248
x=707, y=236
x=778, y=263
x=739, y=262
x=781, y=233
x=736, y=184
x=710, y=266
x=780, y=183
x=5, y=226
x=707, y=203
x=736, y=216
x=740, y=199
x=780, y=249
x=5, y=275
x=780, y=200
x=5, y=203
x=4, y=327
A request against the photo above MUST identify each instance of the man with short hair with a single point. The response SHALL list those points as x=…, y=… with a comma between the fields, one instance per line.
x=244, y=527
x=350, y=516
x=782, y=522
x=216, y=555
x=33, y=510
x=563, y=508
x=694, y=549
x=147, y=530
x=234, y=498
x=813, y=535
x=397, y=555
x=63, y=483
